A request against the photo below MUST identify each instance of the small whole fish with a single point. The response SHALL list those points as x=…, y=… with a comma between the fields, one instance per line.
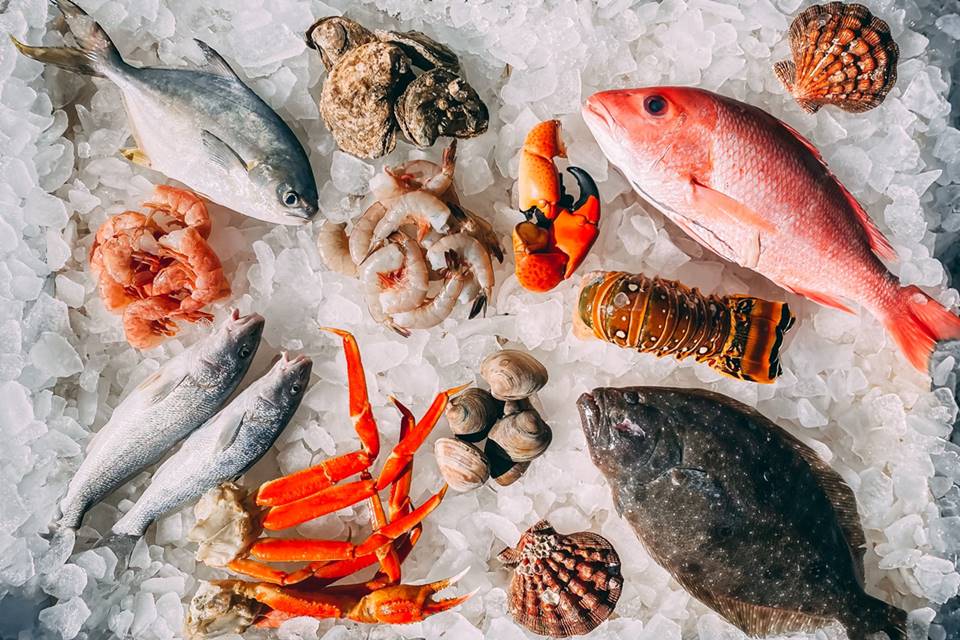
x=162, y=410
x=225, y=447
x=743, y=515
x=203, y=127
x=753, y=190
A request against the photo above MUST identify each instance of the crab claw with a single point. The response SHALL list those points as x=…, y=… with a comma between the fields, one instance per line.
x=406, y=603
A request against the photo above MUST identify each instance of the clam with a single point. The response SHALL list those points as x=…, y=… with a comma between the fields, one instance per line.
x=513, y=375
x=472, y=413
x=462, y=465
x=503, y=470
x=511, y=407
x=521, y=437
x=562, y=585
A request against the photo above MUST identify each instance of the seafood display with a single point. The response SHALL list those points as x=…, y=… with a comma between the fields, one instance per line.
x=767, y=202
x=514, y=431
x=558, y=232
x=225, y=447
x=413, y=236
x=744, y=516
x=229, y=533
x=162, y=410
x=739, y=336
x=203, y=127
x=842, y=55
x=157, y=269
x=371, y=92
x=562, y=585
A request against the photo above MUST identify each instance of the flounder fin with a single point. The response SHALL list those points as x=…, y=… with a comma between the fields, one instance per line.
x=821, y=298
x=758, y=620
x=721, y=206
x=222, y=153
x=878, y=242
x=214, y=62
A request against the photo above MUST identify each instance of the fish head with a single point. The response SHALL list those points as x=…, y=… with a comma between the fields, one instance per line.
x=649, y=130
x=621, y=426
x=288, y=191
x=232, y=346
x=284, y=385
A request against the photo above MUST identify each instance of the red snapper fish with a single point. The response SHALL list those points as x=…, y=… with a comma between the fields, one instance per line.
x=756, y=192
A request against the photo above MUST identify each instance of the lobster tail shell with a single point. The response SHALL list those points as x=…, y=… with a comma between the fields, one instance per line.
x=842, y=55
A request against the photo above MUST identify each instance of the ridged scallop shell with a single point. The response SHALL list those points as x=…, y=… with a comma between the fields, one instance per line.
x=562, y=585
x=462, y=465
x=842, y=55
x=513, y=375
x=472, y=413
x=521, y=436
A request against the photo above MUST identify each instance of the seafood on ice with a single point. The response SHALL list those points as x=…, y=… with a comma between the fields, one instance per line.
x=162, y=410
x=842, y=55
x=158, y=268
x=739, y=336
x=203, y=127
x=313, y=492
x=753, y=190
x=558, y=233
x=225, y=446
x=371, y=91
x=417, y=252
x=744, y=516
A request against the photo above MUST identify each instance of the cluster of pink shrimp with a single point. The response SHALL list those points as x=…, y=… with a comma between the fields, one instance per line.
x=416, y=234
x=157, y=268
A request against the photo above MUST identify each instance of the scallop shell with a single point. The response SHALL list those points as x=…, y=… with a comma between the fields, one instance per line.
x=462, y=465
x=512, y=374
x=472, y=413
x=562, y=585
x=842, y=55
x=521, y=436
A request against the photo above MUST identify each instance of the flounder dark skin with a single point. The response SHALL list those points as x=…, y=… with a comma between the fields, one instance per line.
x=743, y=515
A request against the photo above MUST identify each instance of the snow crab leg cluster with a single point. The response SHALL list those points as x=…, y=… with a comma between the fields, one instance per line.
x=558, y=233
x=230, y=522
x=157, y=268
x=415, y=234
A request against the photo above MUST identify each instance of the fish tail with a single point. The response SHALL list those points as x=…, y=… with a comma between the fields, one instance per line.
x=752, y=350
x=917, y=323
x=96, y=52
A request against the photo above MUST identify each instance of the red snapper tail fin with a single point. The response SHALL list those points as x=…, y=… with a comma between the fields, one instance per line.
x=917, y=322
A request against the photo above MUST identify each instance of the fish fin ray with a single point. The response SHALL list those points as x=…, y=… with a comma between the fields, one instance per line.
x=760, y=620
x=155, y=389
x=221, y=153
x=720, y=205
x=917, y=323
x=821, y=298
x=229, y=431
x=136, y=156
x=214, y=63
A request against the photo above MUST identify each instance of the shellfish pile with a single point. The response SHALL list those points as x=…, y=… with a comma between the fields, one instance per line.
x=505, y=417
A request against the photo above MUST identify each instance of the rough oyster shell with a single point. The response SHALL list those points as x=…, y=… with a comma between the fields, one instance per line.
x=424, y=51
x=842, y=55
x=562, y=585
x=512, y=374
x=472, y=413
x=227, y=524
x=462, y=465
x=334, y=36
x=440, y=103
x=357, y=99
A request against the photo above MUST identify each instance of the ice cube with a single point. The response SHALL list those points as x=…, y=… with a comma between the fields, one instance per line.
x=53, y=356
x=65, y=618
x=66, y=582
x=350, y=174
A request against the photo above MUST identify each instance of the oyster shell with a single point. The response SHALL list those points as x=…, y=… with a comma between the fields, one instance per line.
x=216, y=611
x=562, y=585
x=462, y=465
x=226, y=526
x=424, y=51
x=513, y=375
x=472, y=413
x=440, y=103
x=334, y=36
x=842, y=55
x=357, y=99
x=521, y=436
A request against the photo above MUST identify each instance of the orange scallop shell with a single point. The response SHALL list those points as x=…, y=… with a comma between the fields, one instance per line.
x=842, y=55
x=563, y=585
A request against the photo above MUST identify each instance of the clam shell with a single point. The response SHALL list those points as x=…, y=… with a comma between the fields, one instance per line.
x=521, y=436
x=511, y=407
x=472, y=413
x=842, y=55
x=562, y=585
x=462, y=465
x=512, y=374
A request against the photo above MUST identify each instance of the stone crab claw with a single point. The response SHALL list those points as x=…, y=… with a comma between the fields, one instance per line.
x=558, y=232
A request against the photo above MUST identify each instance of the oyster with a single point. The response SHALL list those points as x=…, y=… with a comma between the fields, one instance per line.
x=562, y=585
x=423, y=51
x=842, y=55
x=334, y=36
x=440, y=103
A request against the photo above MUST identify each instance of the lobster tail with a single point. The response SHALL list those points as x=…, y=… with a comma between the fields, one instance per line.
x=757, y=327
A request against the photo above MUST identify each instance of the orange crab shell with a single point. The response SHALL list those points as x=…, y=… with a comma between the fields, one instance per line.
x=539, y=182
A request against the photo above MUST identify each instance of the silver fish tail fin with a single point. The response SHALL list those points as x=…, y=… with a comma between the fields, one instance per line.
x=121, y=544
x=96, y=51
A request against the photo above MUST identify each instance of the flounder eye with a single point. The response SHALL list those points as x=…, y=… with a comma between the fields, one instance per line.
x=291, y=199
x=655, y=105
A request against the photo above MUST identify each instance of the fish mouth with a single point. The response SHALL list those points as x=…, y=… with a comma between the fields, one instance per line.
x=591, y=416
x=245, y=323
x=594, y=109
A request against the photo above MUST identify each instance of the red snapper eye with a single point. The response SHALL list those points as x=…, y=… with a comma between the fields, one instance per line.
x=655, y=105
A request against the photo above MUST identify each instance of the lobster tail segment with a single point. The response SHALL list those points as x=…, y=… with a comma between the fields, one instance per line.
x=757, y=327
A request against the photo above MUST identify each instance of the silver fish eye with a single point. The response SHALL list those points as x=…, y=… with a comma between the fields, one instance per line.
x=244, y=351
x=294, y=389
x=291, y=199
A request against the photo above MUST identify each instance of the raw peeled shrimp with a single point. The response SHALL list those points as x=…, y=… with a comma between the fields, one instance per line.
x=385, y=259
x=474, y=256
x=405, y=289
x=415, y=175
x=438, y=308
x=199, y=270
x=362, y=234
x=422, y=208
x=472, y=224
x=333, y=244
